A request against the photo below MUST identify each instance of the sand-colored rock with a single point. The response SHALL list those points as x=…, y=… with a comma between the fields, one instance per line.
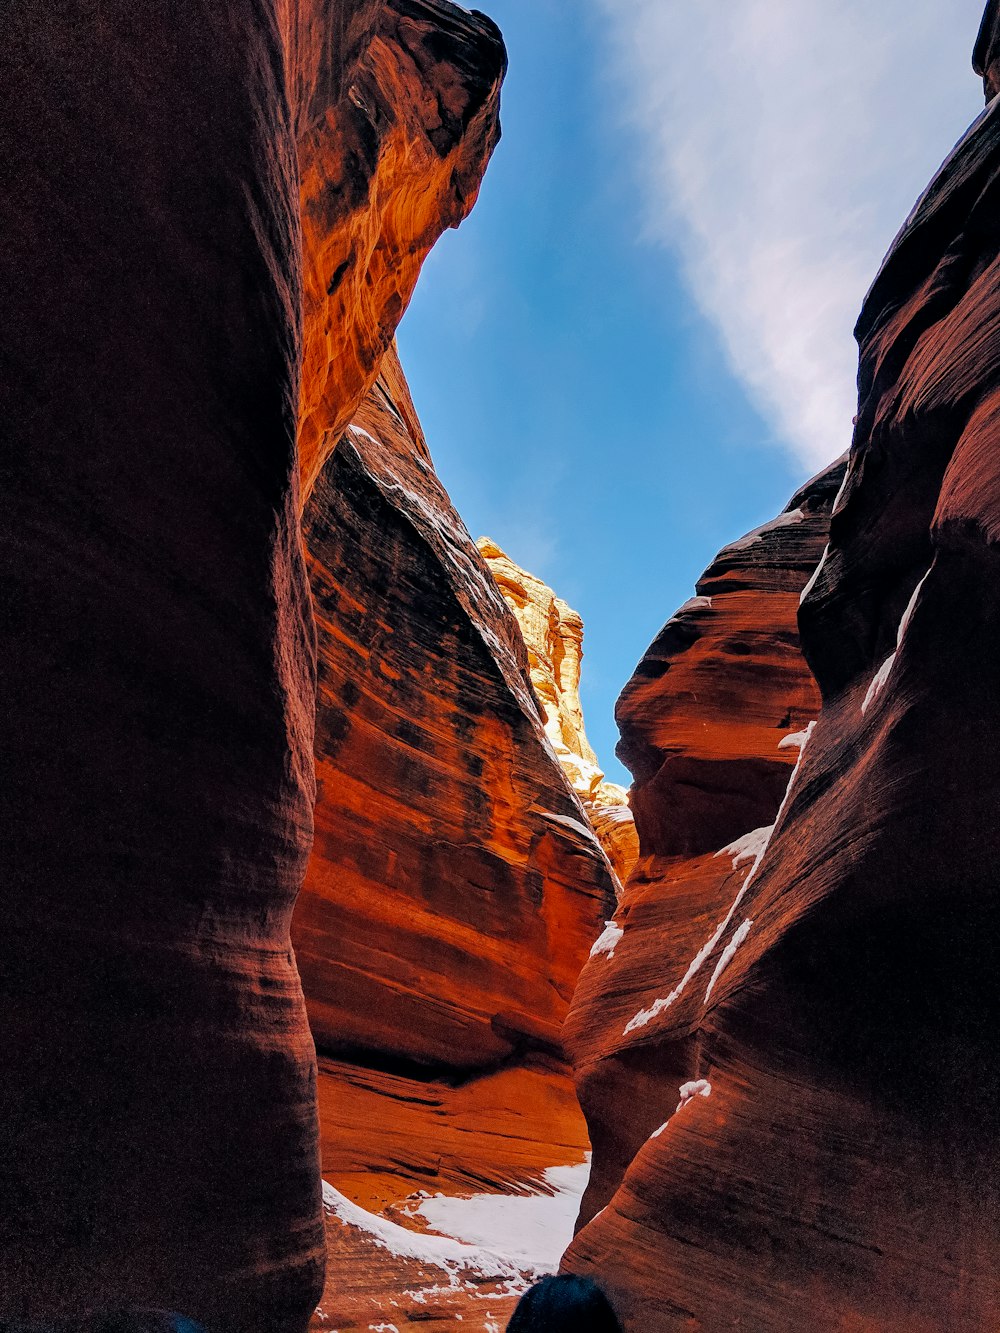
x=553, y=637
x=830, y=1028
x=455, y=885
x=159, y=1124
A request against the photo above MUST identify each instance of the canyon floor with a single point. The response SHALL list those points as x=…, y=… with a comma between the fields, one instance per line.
x=444, y=1202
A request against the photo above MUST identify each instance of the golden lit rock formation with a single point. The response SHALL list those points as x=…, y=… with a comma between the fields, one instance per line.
x=553, y=636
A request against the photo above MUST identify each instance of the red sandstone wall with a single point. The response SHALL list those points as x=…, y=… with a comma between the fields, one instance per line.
x=711, y=724
x=840, y=1002
x=456, y=885
x=159, y=1140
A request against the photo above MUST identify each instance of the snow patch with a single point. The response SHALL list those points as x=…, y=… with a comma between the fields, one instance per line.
x=608, y=941
x=797, y=740
x=727, y=956
x=761, y=839
x=878, y=682
x=885, y=670
x=744, y=543
x=699, y=1087
x=748, y=847
x=359, y=430
x=530, y=1232
x=815, y=574
x=645, y=1016
x=567, y=821
x=452, y=1256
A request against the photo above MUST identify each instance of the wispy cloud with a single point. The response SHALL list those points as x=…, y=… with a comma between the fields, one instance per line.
x=782, y=142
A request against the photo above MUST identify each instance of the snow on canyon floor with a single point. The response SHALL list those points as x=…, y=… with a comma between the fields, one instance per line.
x=494, y=1220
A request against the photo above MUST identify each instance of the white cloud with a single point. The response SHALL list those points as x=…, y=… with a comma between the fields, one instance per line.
x=782, y=143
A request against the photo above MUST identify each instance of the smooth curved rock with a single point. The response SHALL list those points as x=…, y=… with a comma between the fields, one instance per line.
x=159, y=1131
x=455, y=885
x=712, y=721
x=399, y=161
x=841, y=1171
x=986, y=57
x=707, y=716
x=553, y=637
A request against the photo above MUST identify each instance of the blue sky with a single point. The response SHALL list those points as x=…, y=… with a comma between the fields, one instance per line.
x=639, y=343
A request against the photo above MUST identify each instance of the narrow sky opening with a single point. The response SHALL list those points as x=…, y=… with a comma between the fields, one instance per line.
x=640, y=342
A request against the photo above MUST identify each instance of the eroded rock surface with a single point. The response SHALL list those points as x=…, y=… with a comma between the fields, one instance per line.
x=553, y=637
x=712, y=724
x=829, y=1029
x=709, y=718
x=455, y=885
x=159, y=1127
x=397, y=160
x=454, y=891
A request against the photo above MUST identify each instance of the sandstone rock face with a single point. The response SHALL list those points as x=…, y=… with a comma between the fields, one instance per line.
x=390, y=165
x=712, y=723
x=986, y=58
x=553, y=637
x=830, y=1031
x=455, y=885
x=391, y=1142
x=707, y=718
x=158, y=1114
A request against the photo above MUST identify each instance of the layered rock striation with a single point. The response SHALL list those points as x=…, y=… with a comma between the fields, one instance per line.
x=553, y=636
x=455, y=885
x=712, y=725
x=825, y=1071
x=388, y=164
x=159, y=386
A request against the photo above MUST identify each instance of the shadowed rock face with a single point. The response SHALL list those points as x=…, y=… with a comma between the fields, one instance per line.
x=159, y=1136
x=841, y=1171
x=455, y=886
x=986, y=58
x=712, y=722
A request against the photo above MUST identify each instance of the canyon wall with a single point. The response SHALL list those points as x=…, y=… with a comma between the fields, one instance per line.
x=816, y=1063
x=160, y=1133
x=455, y=885
x=712, y=723
x=553, y=637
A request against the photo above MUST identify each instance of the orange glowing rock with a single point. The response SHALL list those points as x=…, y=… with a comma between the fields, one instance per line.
x=455, y=886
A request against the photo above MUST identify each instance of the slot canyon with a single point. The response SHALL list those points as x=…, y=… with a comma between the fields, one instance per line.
x=341, y=988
